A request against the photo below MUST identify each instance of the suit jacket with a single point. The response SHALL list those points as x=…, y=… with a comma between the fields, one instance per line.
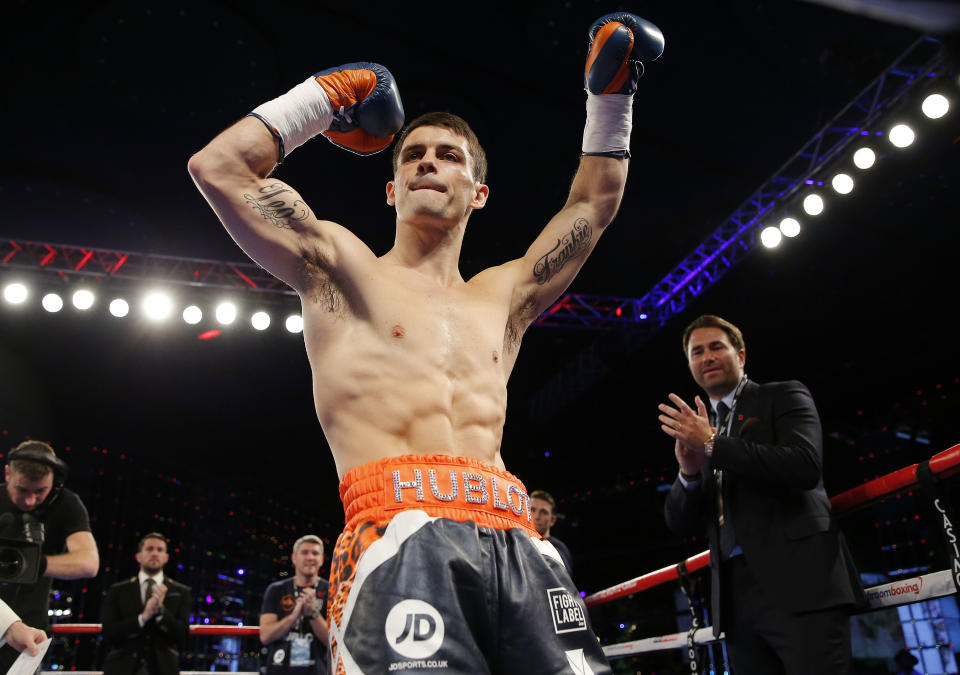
x=159, y=641
x=772, y=462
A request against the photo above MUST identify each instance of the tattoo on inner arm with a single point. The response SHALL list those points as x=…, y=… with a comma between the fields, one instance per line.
x=568, y=247
x=278, y=211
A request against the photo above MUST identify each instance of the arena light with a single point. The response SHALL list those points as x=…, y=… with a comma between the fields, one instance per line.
x=902, y=136
x=193, y=315
x=842, y=183
x=790, y=227
x=864, y=158
x=82, y=299
x=157, y=306
x=52, y=302
x=226, y=313
x=294, y=323
x=770, y=237
x=260, y=320
x=813, y=204
x=119, y=307
x=935, y=106
x=15, y=293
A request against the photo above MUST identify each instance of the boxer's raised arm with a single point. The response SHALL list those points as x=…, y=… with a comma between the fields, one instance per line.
x=356, y=106
x=619, y=44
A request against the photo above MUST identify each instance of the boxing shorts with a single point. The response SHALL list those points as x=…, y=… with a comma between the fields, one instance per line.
x=440, y=570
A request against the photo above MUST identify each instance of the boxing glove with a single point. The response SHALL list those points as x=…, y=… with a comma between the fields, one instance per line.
x=619, y=44
x=356, y=106
x=367, y=110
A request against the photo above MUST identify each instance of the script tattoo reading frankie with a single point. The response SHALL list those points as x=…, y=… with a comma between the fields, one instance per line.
x=568, y=247
x=277, y=211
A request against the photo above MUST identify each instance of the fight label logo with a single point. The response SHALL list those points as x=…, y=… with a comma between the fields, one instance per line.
x=414, y=629
x=567, y=611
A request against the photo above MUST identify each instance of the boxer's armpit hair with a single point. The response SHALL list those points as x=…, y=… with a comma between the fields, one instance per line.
x=571, y=245
x=278, y=204
x=323, y=290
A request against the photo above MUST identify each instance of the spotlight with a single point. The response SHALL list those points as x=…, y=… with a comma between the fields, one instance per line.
x=790, y=227
x=935, y=106
x=157, y=305
x=842, y=183
x=770, y=237
x=192, y=315
x=119, y=307
x=902, y=136
x=83, y=299
x=52, y=302
x=864, y=158
x=294, y=323
x=226, y=312
x=15, y=293
x=813, y=204
x=260, y=320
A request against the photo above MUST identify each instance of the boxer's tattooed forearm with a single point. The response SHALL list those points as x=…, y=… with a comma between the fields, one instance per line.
x=569, y=246
x=276, y=206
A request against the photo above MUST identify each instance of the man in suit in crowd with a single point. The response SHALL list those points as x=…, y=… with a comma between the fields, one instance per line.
x=543, y=508
x=146, y=618
x=751, y=474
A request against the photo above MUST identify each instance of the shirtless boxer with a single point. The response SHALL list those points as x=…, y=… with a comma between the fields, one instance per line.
x=439, y=566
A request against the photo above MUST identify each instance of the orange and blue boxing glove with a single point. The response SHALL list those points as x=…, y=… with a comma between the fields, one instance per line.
x=356, y=106
x=620, y=43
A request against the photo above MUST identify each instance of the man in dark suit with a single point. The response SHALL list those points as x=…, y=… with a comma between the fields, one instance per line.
x=783, y=581
x=146, y=618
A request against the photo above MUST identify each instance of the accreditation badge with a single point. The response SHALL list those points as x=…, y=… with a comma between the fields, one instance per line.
x=300, y=651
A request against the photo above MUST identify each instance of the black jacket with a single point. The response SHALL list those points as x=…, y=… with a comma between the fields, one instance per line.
x=772, y=461
x=159, y=641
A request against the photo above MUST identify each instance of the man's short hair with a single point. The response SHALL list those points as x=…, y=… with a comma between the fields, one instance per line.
x=545, y=496
x=151, y=535
x=307, y=539
x=713, y=321
x=31, y=470
x=457, y=125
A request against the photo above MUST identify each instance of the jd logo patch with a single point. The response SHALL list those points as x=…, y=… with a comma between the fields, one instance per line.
x=414, y=629
x=567, y=611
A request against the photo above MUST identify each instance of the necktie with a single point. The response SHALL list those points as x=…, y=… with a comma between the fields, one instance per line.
x=727, y=539
x=722, y=411
x=148, y=589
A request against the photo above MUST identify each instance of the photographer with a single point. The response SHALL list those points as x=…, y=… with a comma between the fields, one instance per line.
x=35, y=506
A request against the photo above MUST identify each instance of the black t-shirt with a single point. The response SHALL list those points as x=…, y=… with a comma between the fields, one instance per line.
x=280, y=599
x=65, y=515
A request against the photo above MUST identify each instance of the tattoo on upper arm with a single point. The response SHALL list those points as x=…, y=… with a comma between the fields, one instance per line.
x=568, y=247
x=281, y=212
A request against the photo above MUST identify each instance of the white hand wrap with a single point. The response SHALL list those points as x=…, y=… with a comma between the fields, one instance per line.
x=299, y=115
x=609, y=122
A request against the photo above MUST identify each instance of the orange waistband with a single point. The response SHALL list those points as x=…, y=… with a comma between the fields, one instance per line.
x=459, y=488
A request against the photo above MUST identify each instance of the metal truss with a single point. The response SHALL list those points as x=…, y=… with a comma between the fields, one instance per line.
x=67, y=262
x=738, y=235
x=596, y=312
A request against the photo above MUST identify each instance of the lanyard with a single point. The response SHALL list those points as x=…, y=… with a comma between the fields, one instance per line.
x=725, y=429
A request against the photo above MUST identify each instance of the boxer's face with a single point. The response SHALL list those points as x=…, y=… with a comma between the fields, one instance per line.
x=434, y=182
x=27, y=494
x=714, y=363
